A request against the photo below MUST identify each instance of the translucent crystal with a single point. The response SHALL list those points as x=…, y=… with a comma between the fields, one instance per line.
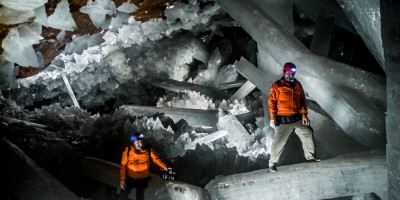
x=127, y=7
x=23, y=5
x=11, y=16
x=62, y=18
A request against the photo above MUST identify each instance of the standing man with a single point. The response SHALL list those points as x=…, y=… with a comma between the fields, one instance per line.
x=135, y=167
x=288, y=112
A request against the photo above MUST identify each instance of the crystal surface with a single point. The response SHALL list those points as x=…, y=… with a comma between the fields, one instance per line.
x=62, y=18
x=366, y=19
x=284, y=47
x=41, y=16
x=195, y=117
x=71, y=93
x=206, y=139
x=244, y=90
x=11, y=16
x=237, y=135
x=6, y=73
x=18, y=45
x=24, y=5
x=324, y=180
x=112, y=68
x=127, y=7
x=98, y=9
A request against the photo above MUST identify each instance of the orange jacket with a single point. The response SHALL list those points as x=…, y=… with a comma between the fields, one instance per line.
x=138, y=164
x=284, y=100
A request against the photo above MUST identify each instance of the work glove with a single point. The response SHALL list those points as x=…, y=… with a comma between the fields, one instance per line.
x=272, y=124
x=122, y=185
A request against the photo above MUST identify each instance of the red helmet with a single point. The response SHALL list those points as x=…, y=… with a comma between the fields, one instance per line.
x=289, y=67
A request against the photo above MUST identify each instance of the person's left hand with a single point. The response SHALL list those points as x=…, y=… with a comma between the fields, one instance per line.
x=306, y=121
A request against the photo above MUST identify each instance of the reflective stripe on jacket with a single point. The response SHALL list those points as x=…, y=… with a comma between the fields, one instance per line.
x=284, y=100
x=138, y=164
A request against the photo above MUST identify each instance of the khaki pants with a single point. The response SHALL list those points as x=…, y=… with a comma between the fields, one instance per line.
x=282, y=133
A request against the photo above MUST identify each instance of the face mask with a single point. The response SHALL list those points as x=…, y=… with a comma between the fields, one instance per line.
x=138, y=145
x=291, y=77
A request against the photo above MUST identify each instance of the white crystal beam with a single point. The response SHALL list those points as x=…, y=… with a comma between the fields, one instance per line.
x=366, y=19
x=194, y=117
x=206, y=139
x=243, y=91
x=284, y=47
x=71, y=93
x=177, y=86
x=346, y=175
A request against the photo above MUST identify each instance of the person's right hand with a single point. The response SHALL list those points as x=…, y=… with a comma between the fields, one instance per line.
x=272, y=124
x=306, y=121
x=122, y=185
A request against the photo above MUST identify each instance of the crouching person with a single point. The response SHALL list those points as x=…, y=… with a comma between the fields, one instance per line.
x=135, y=167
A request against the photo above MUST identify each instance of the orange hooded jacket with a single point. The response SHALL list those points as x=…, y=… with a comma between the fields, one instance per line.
x=138, y=164
x=283, y=100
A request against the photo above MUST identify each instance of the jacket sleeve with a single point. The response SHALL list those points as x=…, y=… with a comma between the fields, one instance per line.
x=157, y=160
x=272, y=101
x=124, y=161
x=303, y=102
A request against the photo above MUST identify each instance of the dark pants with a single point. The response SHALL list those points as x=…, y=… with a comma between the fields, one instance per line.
x=139, y=184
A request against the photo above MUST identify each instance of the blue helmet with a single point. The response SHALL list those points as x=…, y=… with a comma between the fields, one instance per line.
x=136, y=136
